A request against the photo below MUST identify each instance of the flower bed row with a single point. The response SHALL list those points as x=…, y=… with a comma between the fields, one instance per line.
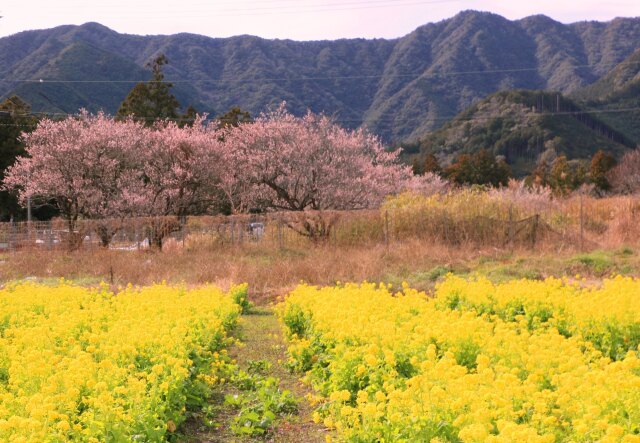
x=90, y=365
x=407, y=367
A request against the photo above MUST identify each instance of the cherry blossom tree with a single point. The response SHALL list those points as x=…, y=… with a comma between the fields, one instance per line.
x=282, y=162
x=84, y=163
x=101, y=169
x=98, y=168
x=181, y=169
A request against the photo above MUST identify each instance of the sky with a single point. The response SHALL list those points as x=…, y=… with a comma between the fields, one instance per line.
x=287, y=19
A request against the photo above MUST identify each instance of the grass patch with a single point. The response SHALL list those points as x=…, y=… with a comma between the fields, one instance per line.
x=438, y=271
x=510, y=272
x=597, y=262
x=625, y=251
x=262, y=400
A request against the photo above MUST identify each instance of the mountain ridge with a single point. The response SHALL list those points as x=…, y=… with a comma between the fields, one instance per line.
x=400, y=88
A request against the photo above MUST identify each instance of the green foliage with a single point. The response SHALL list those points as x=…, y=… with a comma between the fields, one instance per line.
x=566, y=176
x=438, y=271
x=480, y=168
x=240, y=297
x=425, y=164
x=359, y=80
x=153, y=100
x=596, y=262
x=259, y=403
x=234, y=117
x=15, y=118
x=188, y=117
x=466, y=353
x=258, y=366
x=296, y=321
x=601, y=164
x=109, y=73
x=618, y=91
x=521, y=125
x=615, y=340
x=561, y=175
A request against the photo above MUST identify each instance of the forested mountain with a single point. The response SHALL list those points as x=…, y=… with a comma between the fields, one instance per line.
x=523, y=126
x=617, y=97
x=400, y=88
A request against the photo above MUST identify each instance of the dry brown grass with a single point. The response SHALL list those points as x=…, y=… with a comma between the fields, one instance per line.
x=415, y=242
x=271, y=271
x=267, y=270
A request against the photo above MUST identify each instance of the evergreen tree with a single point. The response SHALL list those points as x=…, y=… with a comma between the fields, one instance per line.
x=188, y=117
x=481, y=168
x=601, y=164
x=15, y=118
x=153, y=100
x=566, y=176
x=234, y=117
x=426, y=164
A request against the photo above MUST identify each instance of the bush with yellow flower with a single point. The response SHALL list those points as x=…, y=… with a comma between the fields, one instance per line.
x=90, y=365
x=519, y=361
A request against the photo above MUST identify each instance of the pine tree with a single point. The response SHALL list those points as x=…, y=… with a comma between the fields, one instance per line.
x=153, y=100
x=480, y=168
x=601, y=164
x=15, y=118
x=234, y=117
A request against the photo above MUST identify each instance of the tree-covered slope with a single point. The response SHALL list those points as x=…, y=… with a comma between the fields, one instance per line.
x=401, y=88
x=521, y=125
x=617, y=97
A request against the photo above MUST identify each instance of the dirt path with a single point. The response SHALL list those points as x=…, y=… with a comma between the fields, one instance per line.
x=262, y=340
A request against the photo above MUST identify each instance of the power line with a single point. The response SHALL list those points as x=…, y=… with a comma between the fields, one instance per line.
x=364, y=121
x=338, y=6
x=303, y=9
x=344, y=77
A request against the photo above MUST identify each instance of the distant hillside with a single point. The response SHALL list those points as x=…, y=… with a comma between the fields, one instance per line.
x=618, y=95
x=520, y=125
x=401, y=88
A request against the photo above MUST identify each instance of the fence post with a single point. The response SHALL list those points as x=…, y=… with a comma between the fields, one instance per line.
x=233, y=231
x=581, y=226
x=534, y=230
x=13, y=237
x=50, y=236
x=511, y=233
x=280, y=236
x=386, y=229
x=445, y=225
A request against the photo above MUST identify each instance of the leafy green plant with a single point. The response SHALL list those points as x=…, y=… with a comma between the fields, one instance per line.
x=598, y=262
x=466, y=354
x=260, y=402
x=296, y=321
x=240, y=296
x=258, y=366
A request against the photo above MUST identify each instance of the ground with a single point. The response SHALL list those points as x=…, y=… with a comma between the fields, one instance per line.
x=261, y=341
x=273, y=272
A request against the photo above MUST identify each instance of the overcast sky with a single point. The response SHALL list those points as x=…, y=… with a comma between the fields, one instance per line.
x=294, y=19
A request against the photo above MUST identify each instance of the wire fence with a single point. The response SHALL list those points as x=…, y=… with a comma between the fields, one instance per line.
x=578, y=223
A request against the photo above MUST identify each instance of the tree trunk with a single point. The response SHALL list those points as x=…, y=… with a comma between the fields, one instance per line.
x=74, y=239
x=105, y=233
x=160, y=228
x=317, y=225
